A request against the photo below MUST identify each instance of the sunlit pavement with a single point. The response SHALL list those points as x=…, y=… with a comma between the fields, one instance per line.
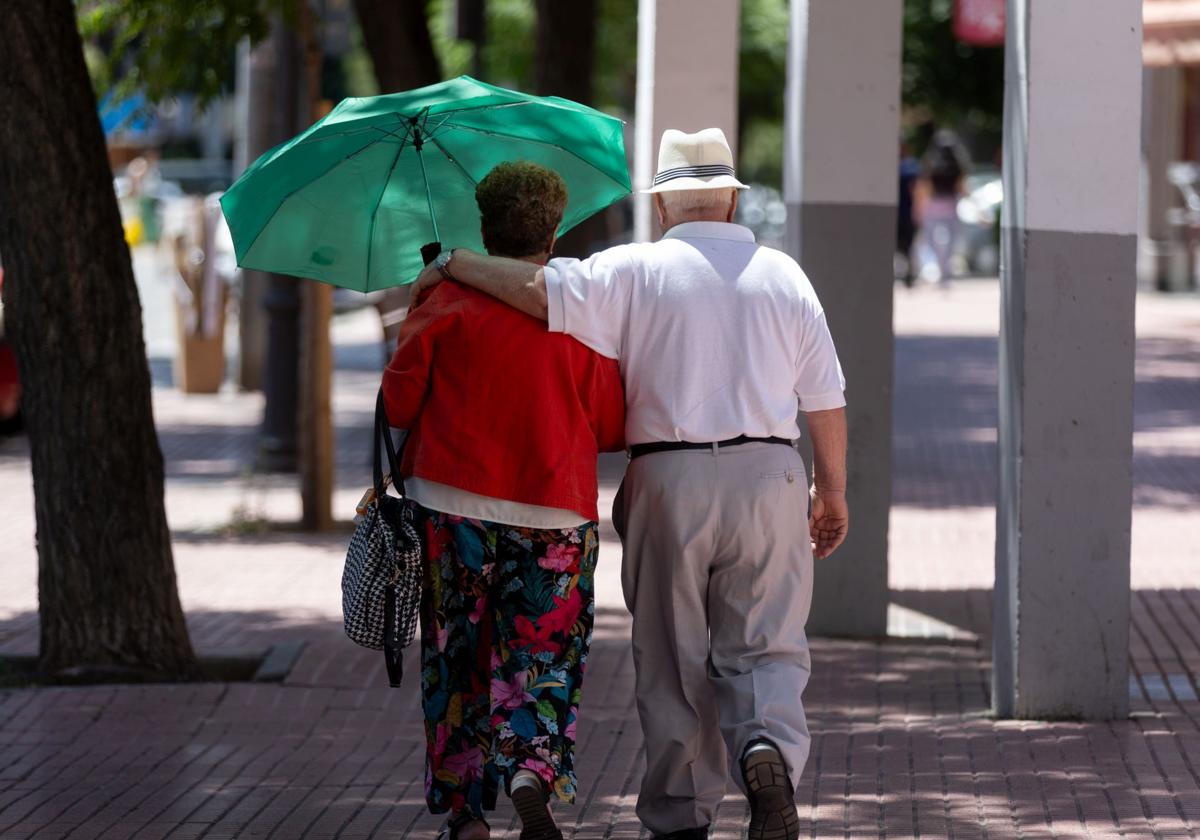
x=903, y=744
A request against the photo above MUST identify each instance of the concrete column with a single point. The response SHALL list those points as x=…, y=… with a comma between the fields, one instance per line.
x=687, y=78
x=1071, y=146
x=841, y=135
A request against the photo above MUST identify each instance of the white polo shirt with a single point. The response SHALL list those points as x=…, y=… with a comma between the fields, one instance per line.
x=716, y=335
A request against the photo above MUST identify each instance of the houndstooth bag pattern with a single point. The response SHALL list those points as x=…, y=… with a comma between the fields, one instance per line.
x=384, y=554
x=383, y=577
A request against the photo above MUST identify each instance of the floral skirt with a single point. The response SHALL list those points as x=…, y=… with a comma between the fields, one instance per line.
x=506, y=621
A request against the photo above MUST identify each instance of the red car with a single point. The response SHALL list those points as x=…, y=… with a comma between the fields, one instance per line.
x=10, y=385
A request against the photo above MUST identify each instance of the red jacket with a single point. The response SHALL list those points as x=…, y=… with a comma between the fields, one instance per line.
x=498, y=406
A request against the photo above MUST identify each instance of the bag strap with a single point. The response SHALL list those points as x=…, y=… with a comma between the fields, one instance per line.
x=383, y=432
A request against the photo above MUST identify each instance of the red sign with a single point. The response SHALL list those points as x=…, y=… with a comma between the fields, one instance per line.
x=979, y=22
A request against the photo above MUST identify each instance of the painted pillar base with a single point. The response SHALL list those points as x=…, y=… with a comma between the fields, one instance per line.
x=1067, y=359
x=1063, y=519
x=855, y=286
x=841, y=126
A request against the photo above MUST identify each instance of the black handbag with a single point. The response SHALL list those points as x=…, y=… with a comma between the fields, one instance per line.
x=382, y=580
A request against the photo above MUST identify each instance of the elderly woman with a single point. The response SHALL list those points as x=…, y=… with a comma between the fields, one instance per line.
x=505, y=422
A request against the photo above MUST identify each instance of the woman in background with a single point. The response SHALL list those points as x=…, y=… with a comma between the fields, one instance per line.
x=936, y=203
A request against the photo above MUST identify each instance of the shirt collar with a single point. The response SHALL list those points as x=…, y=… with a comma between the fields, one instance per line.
x=710, y=230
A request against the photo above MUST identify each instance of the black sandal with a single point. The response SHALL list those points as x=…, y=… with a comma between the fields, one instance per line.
x=532, y=805
x=457, y=822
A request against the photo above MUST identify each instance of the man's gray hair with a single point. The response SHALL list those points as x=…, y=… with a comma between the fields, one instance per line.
x=685, y=202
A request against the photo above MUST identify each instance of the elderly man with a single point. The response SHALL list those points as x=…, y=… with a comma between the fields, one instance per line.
x=720, y=341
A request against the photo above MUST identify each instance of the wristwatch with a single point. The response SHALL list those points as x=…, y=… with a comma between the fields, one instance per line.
x=441, y=261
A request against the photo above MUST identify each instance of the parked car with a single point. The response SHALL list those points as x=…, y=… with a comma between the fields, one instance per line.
x=10, y=384
x=979, y=213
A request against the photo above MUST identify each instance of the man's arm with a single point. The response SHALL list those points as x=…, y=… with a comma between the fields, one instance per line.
x=830, y=515
x=522, y=285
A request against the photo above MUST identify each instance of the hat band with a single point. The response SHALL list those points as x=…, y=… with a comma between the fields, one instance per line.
x=707, y=170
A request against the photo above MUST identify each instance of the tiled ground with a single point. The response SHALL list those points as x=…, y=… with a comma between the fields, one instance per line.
x=903, y=744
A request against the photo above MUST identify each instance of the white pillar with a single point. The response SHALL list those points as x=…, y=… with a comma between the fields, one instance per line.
x=841, y=135
x=687, y=79
x=1071, y=145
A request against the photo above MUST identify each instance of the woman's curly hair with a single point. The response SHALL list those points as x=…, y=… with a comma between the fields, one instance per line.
x=520, y=206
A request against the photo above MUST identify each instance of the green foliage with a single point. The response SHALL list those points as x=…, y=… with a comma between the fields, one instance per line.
x=357, y=69
x=511, y=38
x=762, y=60
x=167, y=47
x=615, y=85
x=454, y=55
x=762, y=74
x=947, y=82
x=944, y=82
x=507, y=51
x=760, y=153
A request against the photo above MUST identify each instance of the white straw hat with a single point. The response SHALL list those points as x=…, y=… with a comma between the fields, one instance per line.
x=700, y=161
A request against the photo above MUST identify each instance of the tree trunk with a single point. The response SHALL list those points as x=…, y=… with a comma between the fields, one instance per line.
x=564, y=65
x=107, y=592
x=565, y=58
x=316, y=352
x=396, y=35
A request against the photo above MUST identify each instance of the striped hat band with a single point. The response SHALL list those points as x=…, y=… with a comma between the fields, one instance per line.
x=707, y=170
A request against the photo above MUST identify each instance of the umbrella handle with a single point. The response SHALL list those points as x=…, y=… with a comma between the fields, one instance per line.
x=418, y=143
x=429, y=251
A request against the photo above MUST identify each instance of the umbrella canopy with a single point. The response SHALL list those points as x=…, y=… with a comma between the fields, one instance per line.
x=351, y=200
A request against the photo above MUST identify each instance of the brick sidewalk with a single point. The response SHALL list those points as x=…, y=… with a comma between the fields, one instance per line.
x=903, y=745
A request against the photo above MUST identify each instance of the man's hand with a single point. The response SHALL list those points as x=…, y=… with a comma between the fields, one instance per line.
x=519, y=283
x=829, y=522
x=427, y=279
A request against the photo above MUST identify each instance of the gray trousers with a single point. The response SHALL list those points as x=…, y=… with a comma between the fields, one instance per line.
x=717, y=572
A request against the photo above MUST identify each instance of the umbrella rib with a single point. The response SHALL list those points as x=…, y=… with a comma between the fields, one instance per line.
x=431, y=133
x=448, y=115
x=575, y=155
x=284, y=200
x=375, y=212
x=454, y=160
x=335, y=134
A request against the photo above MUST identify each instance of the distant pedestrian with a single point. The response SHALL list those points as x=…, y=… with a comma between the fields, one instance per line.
x=906, y=222
x=943, y=171
x=505, y=423
x=721, y=342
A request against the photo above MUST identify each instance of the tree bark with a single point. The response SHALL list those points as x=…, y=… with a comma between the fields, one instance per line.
x=106, y=580
x=565, y=56
x=316, y=353
x=396, y=35
x=564, y=65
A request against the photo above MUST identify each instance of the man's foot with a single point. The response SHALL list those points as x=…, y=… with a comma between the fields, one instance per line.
x=529, y=798
x=685, y=834
x=772, y=807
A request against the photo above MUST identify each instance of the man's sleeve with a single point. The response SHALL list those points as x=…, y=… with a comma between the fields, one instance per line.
x=820, y=385
x=589, y=299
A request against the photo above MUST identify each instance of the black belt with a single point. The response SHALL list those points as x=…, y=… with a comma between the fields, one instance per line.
x=640, y=449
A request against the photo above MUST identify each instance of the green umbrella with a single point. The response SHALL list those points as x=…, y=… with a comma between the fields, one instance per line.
x=351, y=200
